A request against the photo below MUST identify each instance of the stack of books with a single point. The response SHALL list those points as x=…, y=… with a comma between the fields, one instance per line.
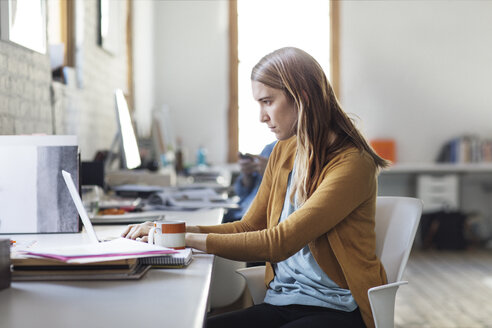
x=466, y=149
x=32, y=269
x=115, y=259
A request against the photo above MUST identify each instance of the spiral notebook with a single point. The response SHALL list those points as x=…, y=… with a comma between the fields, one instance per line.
x=177, y=260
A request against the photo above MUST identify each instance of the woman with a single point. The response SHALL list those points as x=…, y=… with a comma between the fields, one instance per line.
x=312, y=220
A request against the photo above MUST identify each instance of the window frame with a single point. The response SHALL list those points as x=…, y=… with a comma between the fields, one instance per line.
x=233, y=109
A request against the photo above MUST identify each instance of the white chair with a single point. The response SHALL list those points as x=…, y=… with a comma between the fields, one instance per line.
x=226, y=287
x=397, y=219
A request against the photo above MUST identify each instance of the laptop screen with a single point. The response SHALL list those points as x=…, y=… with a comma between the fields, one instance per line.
x=80, y=207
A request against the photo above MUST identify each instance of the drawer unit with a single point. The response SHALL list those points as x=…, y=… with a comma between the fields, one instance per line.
x=438, y=191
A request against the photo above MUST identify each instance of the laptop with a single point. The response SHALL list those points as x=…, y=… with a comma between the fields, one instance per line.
x=126, y=218
x=80, y=207
x=138, y=271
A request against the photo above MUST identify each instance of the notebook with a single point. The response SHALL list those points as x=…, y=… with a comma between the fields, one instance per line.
x=178, y=260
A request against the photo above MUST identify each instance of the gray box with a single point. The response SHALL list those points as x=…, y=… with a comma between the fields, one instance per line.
x=5, y=275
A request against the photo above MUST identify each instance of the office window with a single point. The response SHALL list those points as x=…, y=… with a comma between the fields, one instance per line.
x=263, y=26
x=61, y=32
x=24, y=22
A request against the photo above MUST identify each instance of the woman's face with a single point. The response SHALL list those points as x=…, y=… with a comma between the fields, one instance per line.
x=276, y=110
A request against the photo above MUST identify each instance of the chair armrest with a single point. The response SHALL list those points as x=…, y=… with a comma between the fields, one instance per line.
x=255, y=279
x=382, y=300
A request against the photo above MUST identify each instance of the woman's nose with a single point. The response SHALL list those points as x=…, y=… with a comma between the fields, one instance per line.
x=264, y=116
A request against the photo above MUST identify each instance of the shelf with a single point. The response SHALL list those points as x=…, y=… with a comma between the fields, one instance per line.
x=409, y=168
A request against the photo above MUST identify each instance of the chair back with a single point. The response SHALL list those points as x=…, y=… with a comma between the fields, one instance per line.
x=397, y=219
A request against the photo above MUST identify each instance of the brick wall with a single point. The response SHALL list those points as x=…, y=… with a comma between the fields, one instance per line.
x=25, y=77
x=31, y=103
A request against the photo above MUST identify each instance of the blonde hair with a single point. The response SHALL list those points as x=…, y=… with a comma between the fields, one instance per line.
x=319, y=115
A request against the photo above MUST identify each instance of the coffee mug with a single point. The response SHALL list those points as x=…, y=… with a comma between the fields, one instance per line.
x=169, y=234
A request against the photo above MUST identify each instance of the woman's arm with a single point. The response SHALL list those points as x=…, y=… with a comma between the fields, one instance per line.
x=256, y=220
x=253, y=219
x=347, y=183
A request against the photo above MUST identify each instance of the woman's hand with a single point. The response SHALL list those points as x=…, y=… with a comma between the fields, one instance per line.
x=196, y=241
x=192, y=229
x=134, y=231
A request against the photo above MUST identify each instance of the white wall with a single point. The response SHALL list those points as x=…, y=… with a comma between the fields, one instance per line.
x=417, y=71
x=191, y=72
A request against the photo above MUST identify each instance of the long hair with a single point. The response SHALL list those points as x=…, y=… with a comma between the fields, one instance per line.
x=323, y=128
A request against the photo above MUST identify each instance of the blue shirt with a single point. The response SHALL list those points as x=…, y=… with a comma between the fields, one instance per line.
x=300, y=280
x=246, y=195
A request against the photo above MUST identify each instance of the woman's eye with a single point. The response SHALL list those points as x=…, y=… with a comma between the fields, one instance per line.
x=267, y=102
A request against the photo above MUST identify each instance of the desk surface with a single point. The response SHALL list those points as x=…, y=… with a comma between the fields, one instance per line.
x=175, y=297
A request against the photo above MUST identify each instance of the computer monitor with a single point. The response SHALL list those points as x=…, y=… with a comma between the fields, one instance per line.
x=125, y=137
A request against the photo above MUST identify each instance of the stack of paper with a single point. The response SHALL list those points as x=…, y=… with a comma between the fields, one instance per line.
x=116, y=259
x=117, y=249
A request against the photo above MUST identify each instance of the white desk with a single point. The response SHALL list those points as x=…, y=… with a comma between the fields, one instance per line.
x=438, y=168
x=162, y=298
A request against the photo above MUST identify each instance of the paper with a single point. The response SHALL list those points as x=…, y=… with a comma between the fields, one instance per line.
x=120, y=248
x=130, y=217
x=137, y=188
x=191, y=199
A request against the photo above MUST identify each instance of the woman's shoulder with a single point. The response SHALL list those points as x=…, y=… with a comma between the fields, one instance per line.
x=355, y=156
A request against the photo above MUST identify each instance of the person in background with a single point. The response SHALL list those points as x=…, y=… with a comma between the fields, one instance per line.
x=247, y=183
x=312, y=219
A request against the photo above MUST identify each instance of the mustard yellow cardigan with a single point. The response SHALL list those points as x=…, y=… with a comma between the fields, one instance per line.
x=337, y=222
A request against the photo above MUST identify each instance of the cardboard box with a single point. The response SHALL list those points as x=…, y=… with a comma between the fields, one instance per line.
x=33, y=195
